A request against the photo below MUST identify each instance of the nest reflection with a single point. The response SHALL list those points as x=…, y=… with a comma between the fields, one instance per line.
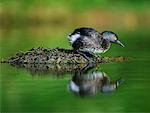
x=85, y=79
x=51, y=69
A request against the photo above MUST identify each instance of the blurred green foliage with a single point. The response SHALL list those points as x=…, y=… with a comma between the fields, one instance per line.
x=30, y=23
x=47, y=22
x=100, y=14
x=81, y=4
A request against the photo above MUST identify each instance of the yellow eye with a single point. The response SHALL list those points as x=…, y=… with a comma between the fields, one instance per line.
x=114, y=38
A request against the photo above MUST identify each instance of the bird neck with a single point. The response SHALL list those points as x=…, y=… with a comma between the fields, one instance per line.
x=105, y=44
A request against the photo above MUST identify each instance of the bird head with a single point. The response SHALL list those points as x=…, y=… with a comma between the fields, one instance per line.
x=111, y=37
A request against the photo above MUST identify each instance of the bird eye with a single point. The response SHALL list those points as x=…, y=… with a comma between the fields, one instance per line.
x=114, y=38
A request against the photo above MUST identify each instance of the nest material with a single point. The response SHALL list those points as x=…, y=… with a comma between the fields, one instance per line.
x=54, y=56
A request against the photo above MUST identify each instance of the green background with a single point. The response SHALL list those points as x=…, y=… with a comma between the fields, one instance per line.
x=32, y=23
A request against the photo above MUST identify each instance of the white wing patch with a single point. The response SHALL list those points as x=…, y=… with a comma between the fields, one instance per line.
x=94, y=50
x=73, y=87
x=73, y=38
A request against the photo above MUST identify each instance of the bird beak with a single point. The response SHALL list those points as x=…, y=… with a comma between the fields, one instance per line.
x=119, y=43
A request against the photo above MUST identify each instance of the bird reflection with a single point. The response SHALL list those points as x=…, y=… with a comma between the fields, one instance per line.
x=84, y=84
x=85, y=80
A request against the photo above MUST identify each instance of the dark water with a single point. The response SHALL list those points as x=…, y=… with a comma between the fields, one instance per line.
x=93, y=90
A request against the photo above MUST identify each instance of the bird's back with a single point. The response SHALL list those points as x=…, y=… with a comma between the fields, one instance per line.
x=88, y=39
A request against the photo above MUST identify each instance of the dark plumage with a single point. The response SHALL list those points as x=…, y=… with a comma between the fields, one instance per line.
x=90, y=40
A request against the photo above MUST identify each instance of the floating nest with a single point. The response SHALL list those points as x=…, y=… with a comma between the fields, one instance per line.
x=55, y=56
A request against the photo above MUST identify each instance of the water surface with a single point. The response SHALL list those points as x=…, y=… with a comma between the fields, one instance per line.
x=25, y=90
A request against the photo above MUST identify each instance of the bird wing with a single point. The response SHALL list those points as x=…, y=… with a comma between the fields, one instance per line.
x=87, y=38
x=87, y=42
x=94, y=41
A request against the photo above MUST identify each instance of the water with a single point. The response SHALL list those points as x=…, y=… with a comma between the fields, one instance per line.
x=34, y=90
